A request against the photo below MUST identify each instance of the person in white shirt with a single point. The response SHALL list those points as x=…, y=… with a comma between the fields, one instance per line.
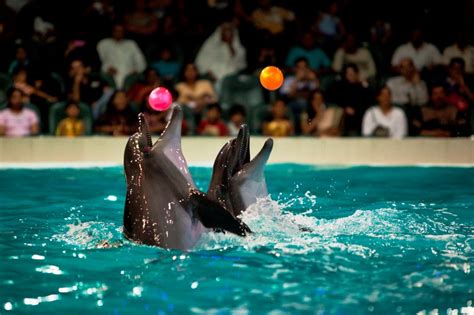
x=351, y=52
x=384, y=120
x=222, y=53
x=119, y=56
x=460, y=49
x=423, y=54
x=408, y=88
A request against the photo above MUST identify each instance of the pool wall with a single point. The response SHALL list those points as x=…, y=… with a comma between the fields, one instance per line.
x=343, y=151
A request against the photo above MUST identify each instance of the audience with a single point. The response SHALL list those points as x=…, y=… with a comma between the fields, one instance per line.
x=118, y=119
x=408, y=88
x=278, y=123
x=156, y=121
x=222, y=53
x=439, y=118
x=141, y=24
x=353, y=95
x=82, y=86
x=16, y=120
x=21, y=60
x=384, y=120
x=459, y=93
x=423, y=54
x=351, y=52
x=320, y=120
x=168, y=65
x=119, y=56
x=212, y=124
x=330, y=26
x=271, y=18
x=237, y=117
x=72, y=125
x=316, y=57
x=461, y=49
x=140, y=90
x=192, y=91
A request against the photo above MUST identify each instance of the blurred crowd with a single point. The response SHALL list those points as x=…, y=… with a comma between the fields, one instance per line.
x=352, y=68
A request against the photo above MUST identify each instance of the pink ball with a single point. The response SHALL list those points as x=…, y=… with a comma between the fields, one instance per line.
x=160, y=99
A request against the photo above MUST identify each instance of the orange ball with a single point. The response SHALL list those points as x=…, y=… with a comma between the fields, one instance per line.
x=271, y=78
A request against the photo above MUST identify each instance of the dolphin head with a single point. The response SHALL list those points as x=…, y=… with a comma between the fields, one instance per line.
x=233, y=169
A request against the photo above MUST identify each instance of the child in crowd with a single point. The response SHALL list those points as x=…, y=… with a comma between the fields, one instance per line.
x=213, y=125
x=278, y=123
x=72, y=125
x=236, y=119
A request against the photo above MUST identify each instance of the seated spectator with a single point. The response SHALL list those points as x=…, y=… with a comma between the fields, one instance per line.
x=461, y=49
x=118, y=119
x=237, y=116
x=21, y=60
x=192, y=90
x=320, y=120
x=298, y=86
x=351, y=52
x=317, y=58
x=381, y=44
x=423, y=54
x=353, y=95
x=82, y=86
x=140, y=23
x=459, y=93
x=329, y=25
x=439, y=118
x=408, y=88
x=278, y=123
x=72, y=125
x=168, y=65
x=212, y=124
x=119, y=56
x=222, y=53
x=79, y=48
x=271, y=18
x=31, y=89
x=266, y=55
x=384, y=120
x=141, y=89
x=16, y=120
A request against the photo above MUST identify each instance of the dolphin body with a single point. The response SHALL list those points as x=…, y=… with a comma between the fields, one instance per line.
x=163, y=206
x=237, y=181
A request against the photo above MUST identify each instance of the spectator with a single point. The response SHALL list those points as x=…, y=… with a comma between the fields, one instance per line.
x=459, y=93
x=21, y=82
x=222, y=53
x=351, y=52
x=16, y=120
x=118, y=119
x=408, y=88
x=298, y=87
x=168, y=65
x=271, y=18
x=82, y=86
x=80, y=49
x=278, y=123
x=319, y=119
x=266, y=55
x=192, y=90
x=139, y=91
x=439, y=118
x=423, y=54
x=353, y=96
x=120, y=57
x=140, y=23
x=381, y=44
x=21, y=60
x=237, y=116
x=380, y=32
x=384, y=120
x=72, y=125
x=316, y=57
x=461, y=49
x=156, y=120
x=213, y=125
x=328, y=23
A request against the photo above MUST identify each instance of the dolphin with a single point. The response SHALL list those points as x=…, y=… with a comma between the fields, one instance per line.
x=163, y=207
x=236, y=180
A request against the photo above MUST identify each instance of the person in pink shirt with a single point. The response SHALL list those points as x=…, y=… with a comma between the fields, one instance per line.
x=16, y=120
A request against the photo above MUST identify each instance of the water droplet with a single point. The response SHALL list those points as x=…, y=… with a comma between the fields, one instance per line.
x=8, y=306
x=194, y=285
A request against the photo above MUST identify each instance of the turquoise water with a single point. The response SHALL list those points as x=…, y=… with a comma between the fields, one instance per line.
x=334, y=241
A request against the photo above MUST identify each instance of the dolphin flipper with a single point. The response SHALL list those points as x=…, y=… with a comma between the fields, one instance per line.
x=213, y=215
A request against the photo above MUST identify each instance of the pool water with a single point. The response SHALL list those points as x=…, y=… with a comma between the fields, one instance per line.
x=350, y=240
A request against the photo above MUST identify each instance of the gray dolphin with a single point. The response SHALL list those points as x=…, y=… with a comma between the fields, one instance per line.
x=236, y=180
x=163, y=206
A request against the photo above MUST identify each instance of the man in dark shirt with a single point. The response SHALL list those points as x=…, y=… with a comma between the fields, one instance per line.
x=83, y=86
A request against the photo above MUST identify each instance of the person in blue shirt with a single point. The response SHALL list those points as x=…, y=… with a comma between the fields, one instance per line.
x=317, y=58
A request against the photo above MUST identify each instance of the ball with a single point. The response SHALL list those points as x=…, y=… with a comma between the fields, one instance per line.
x=271, y=78
x=160, y=99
